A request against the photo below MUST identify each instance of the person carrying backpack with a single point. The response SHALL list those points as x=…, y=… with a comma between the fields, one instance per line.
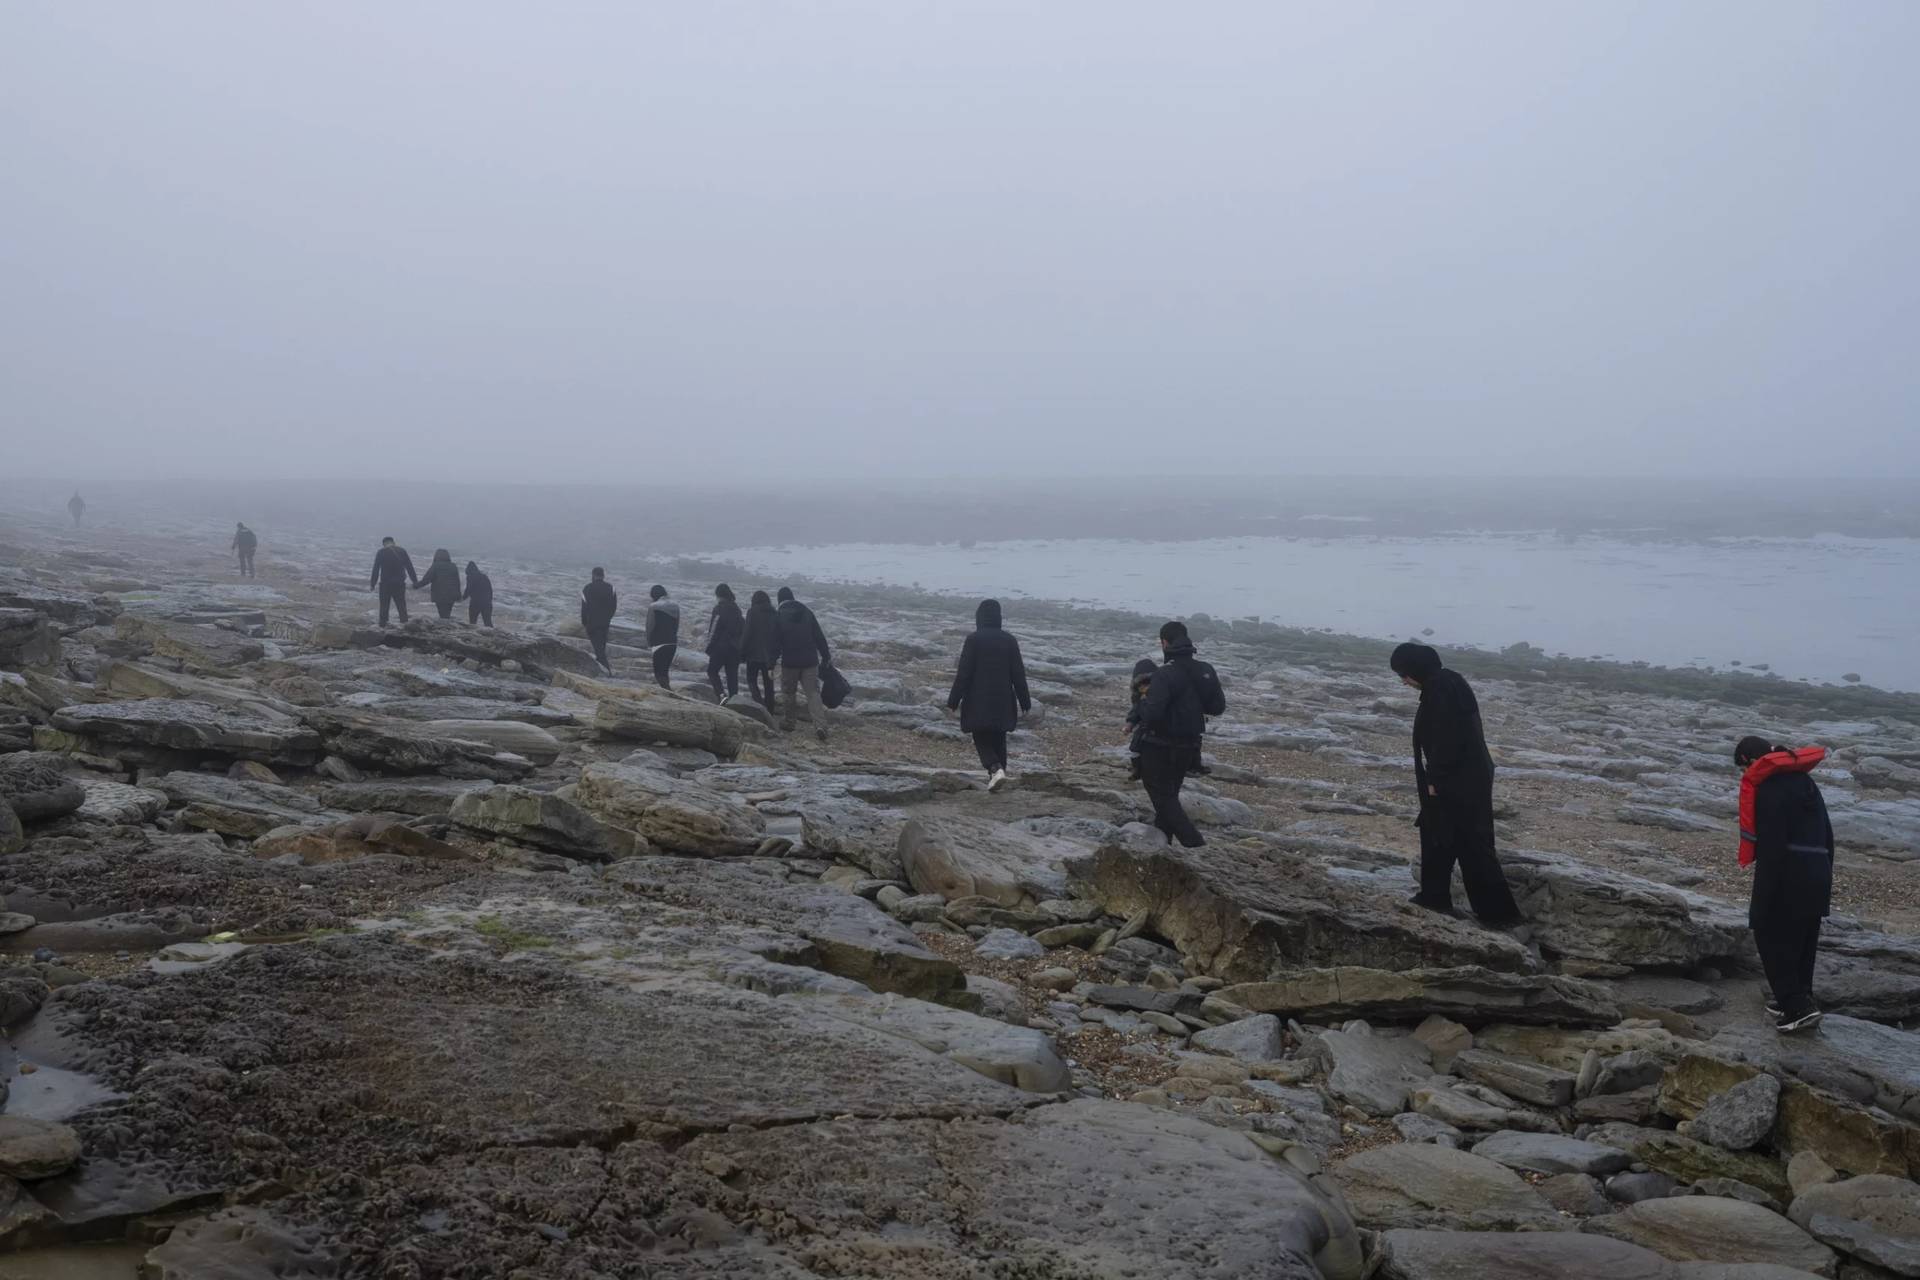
x=1184, y=692
x=803, y=649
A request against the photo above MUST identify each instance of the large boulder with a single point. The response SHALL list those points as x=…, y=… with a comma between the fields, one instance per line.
x=650, y=714
x=208, y=649
x=1690, y=1160
x=399, y=746
x=1551, y=1153
x=1874, y=1219
x=853, y=831
x=238, y=807
x=539, y=655
x=1420, y=1184
x=115, y=804
x=673, y=814
x=545, y=821
x=1470, y=994
x=963, y=857
x=36, y=785
x=194, y=728
x=135, y=680
x=1373, y=1072
x=1582, y=912
x=1713, y=1229
x=27, y=640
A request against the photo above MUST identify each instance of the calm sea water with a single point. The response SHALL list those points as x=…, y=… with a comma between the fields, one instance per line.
x=1817, y=608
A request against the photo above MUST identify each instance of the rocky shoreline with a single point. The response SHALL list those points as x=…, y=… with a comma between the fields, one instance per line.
x=434, y=952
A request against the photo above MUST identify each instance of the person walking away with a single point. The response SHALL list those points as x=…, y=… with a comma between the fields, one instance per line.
x=1453, y=772
x=442, y=582
x=478, y=593
x=597, y=606
x=1786, y=837
x=803, y=647
x=663, y=634
x=392, y=571
x=76, y=507
x=760, y=648
x=1136, y=694
x=724, y=627
x=244, y=542
x=990, y=690
x=1173, y=716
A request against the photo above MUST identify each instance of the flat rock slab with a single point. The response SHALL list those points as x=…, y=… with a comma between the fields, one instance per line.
x=363, y=836
x=421, y=797
x=1540, y=1255
x=238, y=807
x=117, y=804
x=209, y=649
x=966, y=857
x=1421, y=1184
x=198, y=727
x=241, y=1243
x=1875, y=1218
x=522, y=739
x=650, y=714
x=386, y=745
x=1551, y=1153
x=1017, y=1056
x=1689, y=1160
x=545, y=821
x=1533, y=1082
x=1375, y=1073
x=1597, y=914
x=491, y=645
x=675, y=814
x=1712, y=1229
x=1471, y=994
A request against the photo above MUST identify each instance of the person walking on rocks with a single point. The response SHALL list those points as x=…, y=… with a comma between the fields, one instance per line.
x=244, y=543
x=1786, y=837
x=760, y=648
x=724, y=626
x=663, y=634
x=442, y=581
x=1453, y=772
x=597, y=606
x=1184, y=692
x=392, y=571
x=478, y=593
x=76, y=507
x=802, y=647
x=990, y=690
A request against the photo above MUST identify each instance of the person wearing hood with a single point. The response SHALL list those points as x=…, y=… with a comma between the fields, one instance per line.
x=760, y=648
x=724, y=626
x=1136, y=694
x=1786, y=837
x=76, y=507
x=478, y=593
x=442, y=582
x=244, y=542
x=802, y=647
x=597, y=605
x=1453, y=773
x=990, y=690
x=1172, y=717
x=663, y=634
x=392, y=571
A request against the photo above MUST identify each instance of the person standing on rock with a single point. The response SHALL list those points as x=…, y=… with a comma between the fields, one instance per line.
x=392, y=571
x=802, y=647
x=663, y=634
x=724, y=626
x=1184, y=692
x=1453, y=772
x=760, y=648
x=244, y=542
x=442, y=582
x=990, y=690
x=1786, y=837
x=478, y=593
x=597, y=605
x=76, y=507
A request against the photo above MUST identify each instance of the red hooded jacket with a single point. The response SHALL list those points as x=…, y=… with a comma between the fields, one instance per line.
x=1800, y=760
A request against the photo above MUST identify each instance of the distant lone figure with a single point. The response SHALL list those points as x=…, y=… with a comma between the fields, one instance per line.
x=442, y=581
x=244, y=542
x=724, y=628
x=990, y=690
x=478, y=594
x=392, y=571
x=76, y=507
x=1453, y=771
x=663, y=634
x=1172, y=719
x=760, y=648
x=597, y=605
x=802, y=647
x=1787, y=840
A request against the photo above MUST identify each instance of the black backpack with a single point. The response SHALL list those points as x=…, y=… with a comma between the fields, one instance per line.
x=833, y=686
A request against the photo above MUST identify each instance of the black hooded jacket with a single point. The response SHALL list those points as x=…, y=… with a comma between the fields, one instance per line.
x=441, y=579
x=798, y=638
x=479, y=586
x=1793, y=851
x=1449, y=743
x=391, y=567
x=992, y=680
x=597, y=603
x=1184, y=692
x=724, y=626
x=760, y=633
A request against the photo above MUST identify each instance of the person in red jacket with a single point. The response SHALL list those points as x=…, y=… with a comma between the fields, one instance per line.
x=1786, y=837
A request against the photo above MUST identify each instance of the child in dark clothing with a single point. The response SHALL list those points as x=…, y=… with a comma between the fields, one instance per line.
x=1142, y=679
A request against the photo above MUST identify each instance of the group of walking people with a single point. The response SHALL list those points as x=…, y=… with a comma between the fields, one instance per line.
x=393, y=573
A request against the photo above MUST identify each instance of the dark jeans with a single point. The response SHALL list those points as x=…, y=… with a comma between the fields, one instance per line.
x=445, y=607
x=992, y=747
x=394, y=596
x=480, y=613
x=597, y=637
x=1163, y=771
x=246, y=564
x=1448, y=836
x=1787, y=948
x=663, y=663
x=760, y=684
x=731, y=666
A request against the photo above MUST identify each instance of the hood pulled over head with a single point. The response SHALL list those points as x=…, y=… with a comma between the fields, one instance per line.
x=988, y=614
x=1418, y=661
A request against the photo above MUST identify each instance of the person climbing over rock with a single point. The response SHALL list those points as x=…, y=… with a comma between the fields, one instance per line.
x=244, y=541
x=990, y=690
x=1453, y=772
x=1172, y=718
x=597, y=605
x=1786, y=837
x=760, y=648
x=478, y=593
x=76, y=507
x=1136, y=694
x=392, y=571
x=802, y=647
x=663, y=634
x=724, y=626
x=442, y=582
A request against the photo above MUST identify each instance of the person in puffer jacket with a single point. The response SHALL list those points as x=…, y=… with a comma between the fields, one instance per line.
x=1787, y=838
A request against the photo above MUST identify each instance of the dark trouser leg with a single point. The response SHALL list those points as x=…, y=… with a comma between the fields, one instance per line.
x=445, y=607
x=1788, y=947
x=1436, y=860
x=663, y=663
x=789, y=696
x=733, y=678
x=991, y=746
x=473, y=612
x=1487, y=890
x=394, y=597
x=717, y=666
x=760, y=684
x=1809, y=951
x=486, y=615
x=1163, y=770
x=1767, y=940
x=597, y=637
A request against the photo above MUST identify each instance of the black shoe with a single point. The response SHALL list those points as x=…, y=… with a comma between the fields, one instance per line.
x=1806, y=1020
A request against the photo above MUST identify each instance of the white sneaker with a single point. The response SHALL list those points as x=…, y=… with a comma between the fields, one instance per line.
x=996, y=779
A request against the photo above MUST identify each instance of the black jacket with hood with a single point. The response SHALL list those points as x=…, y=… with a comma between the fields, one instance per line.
x=1450, y=753
x=992, y=680
x=1793, y=851
x=798, y=638
x=1184, y=692
x=479, y=586
x=441, y=579
x=724, y=626
x=663, y=622
x=760, y=633
x=597, y=603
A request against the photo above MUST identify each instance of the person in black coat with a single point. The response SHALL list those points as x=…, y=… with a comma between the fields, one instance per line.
x=442, y=581
x=760, y=648
x=724, y=626
x=1172, y=718
x=990, y=690
x=663, y=634
x=478, y=594
x=1790, y=842
x=245, y=541
x=392, y=571
x=803, y=649
x=1453, y=773
x=597, y=605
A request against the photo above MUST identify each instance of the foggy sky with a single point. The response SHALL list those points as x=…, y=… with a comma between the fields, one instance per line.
x=642, y=241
